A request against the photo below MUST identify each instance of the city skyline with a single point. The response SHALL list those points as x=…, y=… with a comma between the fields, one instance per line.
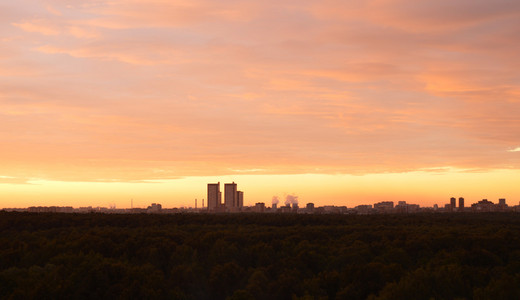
x=233, y=202
x=320, y=192
x=291, y=205
x=334, y=102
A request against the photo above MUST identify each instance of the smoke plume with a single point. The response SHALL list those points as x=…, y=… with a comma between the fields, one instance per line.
x=275, y=200
x=291, y=199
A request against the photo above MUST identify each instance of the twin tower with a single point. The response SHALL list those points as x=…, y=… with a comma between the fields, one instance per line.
x=233, y=199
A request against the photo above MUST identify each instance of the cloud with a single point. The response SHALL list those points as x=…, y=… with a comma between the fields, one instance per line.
x=13, y=180
x=82, y=32
x=38, y=26
x=118, y=89
x=514, y=150
x=53, y=10
x=97, y=53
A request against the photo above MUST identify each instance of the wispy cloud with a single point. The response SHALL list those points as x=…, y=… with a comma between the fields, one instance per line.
x=14, y=180
x=514, y=150
x=117, y=89
x=38, y=26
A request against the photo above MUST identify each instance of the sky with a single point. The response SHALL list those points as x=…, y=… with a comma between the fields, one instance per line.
x=335, y=102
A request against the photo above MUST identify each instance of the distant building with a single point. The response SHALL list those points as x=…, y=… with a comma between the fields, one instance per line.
x=214, y=196
x=413, y=208
x=502, y=206
x=230, y=195
x=404, y=207
x=384, y=207
x=285, y=209
x=453, y=203
x=240, y=199
x=154, y=208
x=401, y=207
x=42, y=209
x=331, y=209
x=221, y=208
x=259, y=207
x=363, y=209
x=483, y=206
x=310, y=207
x=461, y=204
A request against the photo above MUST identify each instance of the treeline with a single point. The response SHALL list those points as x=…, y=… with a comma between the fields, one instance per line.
x=259, y=256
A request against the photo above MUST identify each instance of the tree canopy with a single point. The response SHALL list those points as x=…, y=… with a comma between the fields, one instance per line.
x=259, y=256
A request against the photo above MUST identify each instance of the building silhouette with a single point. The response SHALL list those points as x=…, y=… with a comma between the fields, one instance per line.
x=295, y=207
x=461, y=204
x=230, y=195
x=240, y=199
x=483, y=206
x=453, y=203
x=214, y=196
x=154, y=208
x=384, y=207
x=502, y=206
x=259, y=207
x=401, y=207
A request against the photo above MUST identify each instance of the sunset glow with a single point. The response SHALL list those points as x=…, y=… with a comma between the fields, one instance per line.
x=338, y=102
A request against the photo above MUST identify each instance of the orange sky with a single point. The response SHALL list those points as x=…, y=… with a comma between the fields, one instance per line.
x=338, y=102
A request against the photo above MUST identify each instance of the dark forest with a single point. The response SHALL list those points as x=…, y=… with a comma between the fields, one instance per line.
x=259, y=256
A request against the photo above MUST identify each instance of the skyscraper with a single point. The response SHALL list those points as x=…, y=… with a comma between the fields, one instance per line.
x=502, y=206
x=230, y=195
x=453, y=203
x=461, y=204
x=240, y=199
x=214, y=196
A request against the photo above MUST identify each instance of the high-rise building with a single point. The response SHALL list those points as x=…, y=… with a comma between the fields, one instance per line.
x=214, y=196
x=240, y=199
x=502, y=206
x=230, y=195
x=461, y=204
x=453, y=203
